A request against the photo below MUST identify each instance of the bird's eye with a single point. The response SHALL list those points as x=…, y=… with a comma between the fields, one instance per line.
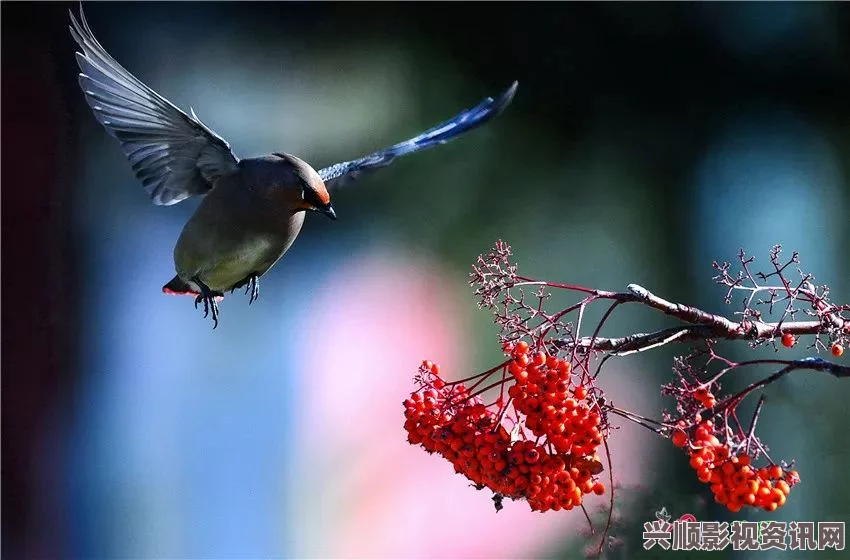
x=310, y=197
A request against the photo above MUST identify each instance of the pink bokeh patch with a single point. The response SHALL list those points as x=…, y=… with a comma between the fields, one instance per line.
x=360, y=489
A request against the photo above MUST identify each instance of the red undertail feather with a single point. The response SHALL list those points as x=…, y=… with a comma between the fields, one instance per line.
x=178, y=287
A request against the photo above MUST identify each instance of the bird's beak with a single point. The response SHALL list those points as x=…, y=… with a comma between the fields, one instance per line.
x=329, y=212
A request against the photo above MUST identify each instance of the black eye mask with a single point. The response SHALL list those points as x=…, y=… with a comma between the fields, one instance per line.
x=310, y=197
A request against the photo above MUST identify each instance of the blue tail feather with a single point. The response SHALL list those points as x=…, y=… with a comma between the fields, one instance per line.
x=440, y=134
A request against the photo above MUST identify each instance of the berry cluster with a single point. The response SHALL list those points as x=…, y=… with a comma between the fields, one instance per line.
x=734, y=481
x=552, y=470
x=542, y=393
x=704, y=397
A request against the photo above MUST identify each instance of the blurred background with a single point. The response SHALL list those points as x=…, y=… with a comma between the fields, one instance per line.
x=645, y=141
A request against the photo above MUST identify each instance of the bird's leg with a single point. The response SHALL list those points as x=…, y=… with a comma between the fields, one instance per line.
x=254, y=284
x=207, y=296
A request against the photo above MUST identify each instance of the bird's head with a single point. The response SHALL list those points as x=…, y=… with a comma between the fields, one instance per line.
x=311, y=193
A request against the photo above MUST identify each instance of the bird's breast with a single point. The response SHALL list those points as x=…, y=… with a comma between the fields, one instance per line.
x=227, y=249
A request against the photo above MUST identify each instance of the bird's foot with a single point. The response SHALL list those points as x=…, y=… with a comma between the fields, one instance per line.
x=210, y=300
x=252, y=284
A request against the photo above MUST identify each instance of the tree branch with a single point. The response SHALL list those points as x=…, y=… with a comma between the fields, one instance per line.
x=703, y=325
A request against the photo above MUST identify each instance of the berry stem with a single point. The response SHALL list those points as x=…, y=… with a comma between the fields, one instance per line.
x=501, y=415
x=483, y=375
x=589, y=522
x=524, y=281
x=610, y=499
x=485, y=389
x=596, y=333
x=638, y=419
x=751, y=432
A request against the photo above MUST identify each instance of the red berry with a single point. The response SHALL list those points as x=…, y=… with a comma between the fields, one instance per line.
x=792, y=477
x=531, y=456
x=539, y=359
x=788, y=340
x=837, y=350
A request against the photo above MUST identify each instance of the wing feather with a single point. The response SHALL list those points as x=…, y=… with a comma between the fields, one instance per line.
x=173, y=154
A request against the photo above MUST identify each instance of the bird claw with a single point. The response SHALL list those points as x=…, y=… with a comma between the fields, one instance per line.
x=209, y=299
x=253, y=286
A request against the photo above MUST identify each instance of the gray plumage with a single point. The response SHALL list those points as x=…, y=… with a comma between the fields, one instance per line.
x=243, y=226
x=253, y=208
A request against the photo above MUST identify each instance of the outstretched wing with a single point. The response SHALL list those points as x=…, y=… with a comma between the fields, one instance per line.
x=173, y=154
x=339, y=173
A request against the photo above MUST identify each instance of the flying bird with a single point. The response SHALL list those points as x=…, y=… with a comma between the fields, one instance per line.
x=252, y=208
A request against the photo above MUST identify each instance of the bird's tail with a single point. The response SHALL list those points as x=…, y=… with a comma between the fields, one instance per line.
x=465, y=121
x=178, y=287
x=340, y=173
